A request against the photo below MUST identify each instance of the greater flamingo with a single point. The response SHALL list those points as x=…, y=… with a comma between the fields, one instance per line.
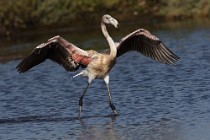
x=97, y=65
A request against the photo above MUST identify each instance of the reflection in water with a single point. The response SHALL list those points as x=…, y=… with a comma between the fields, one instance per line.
x=98, y=131
x=163, y=129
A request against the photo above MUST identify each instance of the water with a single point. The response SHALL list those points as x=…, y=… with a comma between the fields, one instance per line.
x=155, y=101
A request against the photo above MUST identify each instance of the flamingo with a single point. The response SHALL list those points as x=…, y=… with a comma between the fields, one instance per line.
x=98, y=65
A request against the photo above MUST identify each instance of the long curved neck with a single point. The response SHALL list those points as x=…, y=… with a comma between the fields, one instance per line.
x=113, y=48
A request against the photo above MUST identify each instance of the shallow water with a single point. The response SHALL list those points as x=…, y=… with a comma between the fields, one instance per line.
x=155, y=101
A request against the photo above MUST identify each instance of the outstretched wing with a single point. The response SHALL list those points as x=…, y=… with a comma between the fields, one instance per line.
x=59, y=50
x=149, y=45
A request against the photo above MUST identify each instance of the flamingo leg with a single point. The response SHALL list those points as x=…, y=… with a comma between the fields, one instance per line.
x=80, y=100
x=106, y=79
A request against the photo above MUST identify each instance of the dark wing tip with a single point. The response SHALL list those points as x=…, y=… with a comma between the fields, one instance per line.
x=36, y=57
x=21, y=67
x=25, y=65
x=166, y=55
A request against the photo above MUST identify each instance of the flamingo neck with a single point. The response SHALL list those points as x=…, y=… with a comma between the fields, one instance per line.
x=113, y=48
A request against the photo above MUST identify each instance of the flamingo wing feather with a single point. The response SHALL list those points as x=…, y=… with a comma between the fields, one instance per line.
x=149, y=45
x=58, y=50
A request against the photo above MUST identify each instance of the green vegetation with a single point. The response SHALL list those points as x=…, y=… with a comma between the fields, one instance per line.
x=27, y=14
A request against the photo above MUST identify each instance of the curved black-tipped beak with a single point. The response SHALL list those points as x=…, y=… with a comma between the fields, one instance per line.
x=118, y=27
x=115, y=23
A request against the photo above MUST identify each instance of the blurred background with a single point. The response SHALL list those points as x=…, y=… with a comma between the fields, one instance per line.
x=30, y=14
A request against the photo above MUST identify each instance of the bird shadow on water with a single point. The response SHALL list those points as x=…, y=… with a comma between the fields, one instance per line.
x=49, y=118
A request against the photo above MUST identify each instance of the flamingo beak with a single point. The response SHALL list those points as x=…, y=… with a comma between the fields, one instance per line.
x=117, y=26
x=114, y=22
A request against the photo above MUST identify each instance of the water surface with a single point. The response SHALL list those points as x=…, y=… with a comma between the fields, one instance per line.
x=155, y=101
